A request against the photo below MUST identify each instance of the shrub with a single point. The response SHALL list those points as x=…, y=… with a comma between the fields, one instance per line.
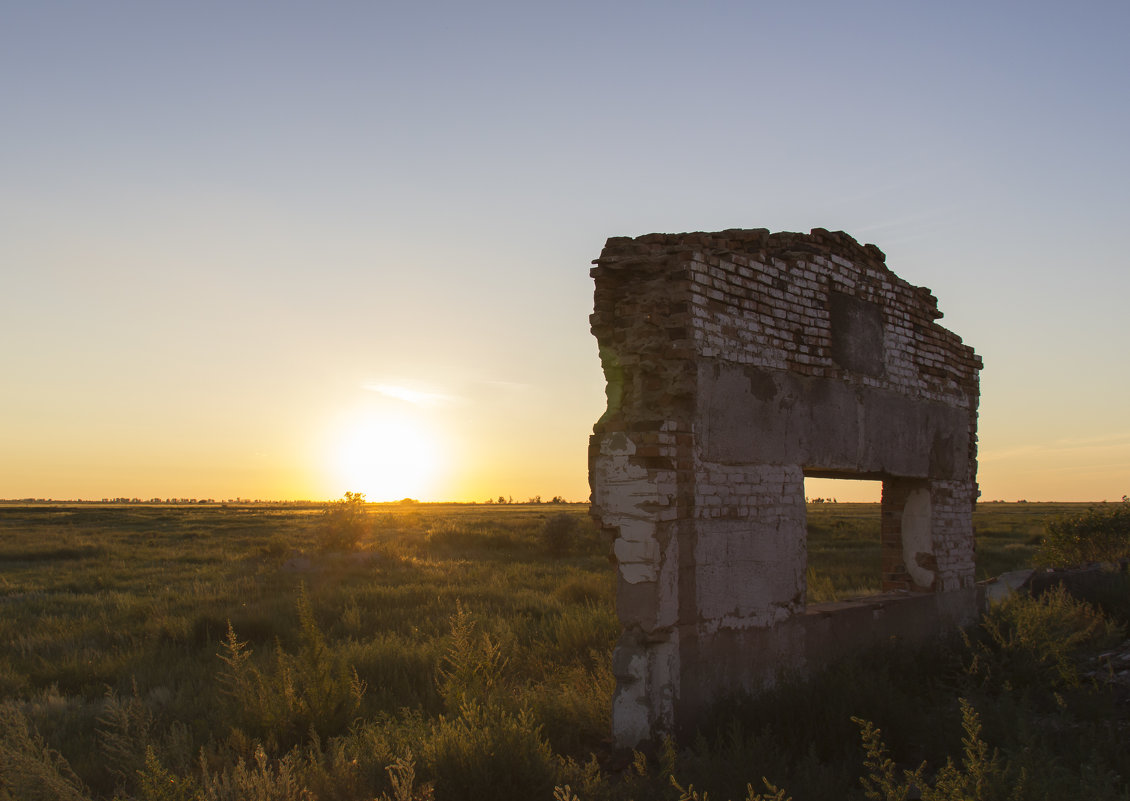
x=579, y=630
x=402, y=777
x=314, y=690
x=1035, y=641
x=125, y=728
x=472, y=666
x=344, y=523
x=688, y=793
x=265, y=780
x=980, y=777
x=29, y=768
x=559, y=533
x=156, y=783
x=575, y=705
x=1101, y=534
x=486, y=752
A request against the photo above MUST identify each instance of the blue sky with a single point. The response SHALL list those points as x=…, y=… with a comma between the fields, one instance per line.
x=221, y=222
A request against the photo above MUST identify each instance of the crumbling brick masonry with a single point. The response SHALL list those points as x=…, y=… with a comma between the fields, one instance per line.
x=737, y=363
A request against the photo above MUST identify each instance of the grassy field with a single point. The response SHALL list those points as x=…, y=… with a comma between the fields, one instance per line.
x=843, y=543
x=234, y=652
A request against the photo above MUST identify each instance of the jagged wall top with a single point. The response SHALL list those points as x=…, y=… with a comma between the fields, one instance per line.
x=760, y=243
x=817, y=304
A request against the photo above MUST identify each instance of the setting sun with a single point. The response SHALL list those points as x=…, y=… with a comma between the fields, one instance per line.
x=387, y=459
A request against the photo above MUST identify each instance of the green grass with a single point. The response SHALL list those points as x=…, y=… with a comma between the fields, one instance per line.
x=137, y=600
x=843, y=550
x=118, y=658
x=843, y=543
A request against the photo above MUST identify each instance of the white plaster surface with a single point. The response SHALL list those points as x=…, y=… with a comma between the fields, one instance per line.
x=917, y=536
x=647, y=693
x=625, y=491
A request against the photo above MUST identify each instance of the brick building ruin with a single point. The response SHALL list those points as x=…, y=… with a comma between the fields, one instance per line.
x=737, y=363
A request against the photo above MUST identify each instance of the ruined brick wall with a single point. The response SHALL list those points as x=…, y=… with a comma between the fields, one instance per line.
x=738, y=362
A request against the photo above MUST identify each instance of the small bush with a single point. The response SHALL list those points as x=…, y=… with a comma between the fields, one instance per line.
x=30, y=769
x=473, y=665
x=575, y=705
x=688, y=793
x=1100, y=534
x=559, y=533
x=314, y=690
x=344, y=523
x=980, y=777
x=579, y=630
x=1035, y=641
x=487, y=752
x=125, y=728
x=156, y=783
x=265, y=780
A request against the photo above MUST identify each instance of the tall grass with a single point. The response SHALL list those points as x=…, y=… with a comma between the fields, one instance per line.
x=456, y=652
x=248, y=652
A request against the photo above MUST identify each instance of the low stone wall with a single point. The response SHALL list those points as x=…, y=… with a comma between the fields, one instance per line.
x=753, y=659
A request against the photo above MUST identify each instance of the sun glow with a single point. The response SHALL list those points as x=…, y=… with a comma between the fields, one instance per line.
x=388, y=459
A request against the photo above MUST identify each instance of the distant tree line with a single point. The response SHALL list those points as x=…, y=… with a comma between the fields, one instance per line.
x=507, y=499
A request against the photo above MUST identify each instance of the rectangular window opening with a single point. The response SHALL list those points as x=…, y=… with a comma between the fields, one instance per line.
x=844, y=524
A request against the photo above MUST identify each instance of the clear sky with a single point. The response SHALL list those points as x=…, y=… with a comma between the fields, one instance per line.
x=270, y=249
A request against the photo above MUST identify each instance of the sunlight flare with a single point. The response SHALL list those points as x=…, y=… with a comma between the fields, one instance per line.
x=387, y=459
